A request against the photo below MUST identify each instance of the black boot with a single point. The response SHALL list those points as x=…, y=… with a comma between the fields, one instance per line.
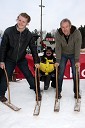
x=53, y=86
x=53, y=83
x=3, y=98
x=59, y=96
x=75, y=96
x=46, y=87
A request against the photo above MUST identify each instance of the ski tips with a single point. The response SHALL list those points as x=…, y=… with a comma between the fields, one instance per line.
x=77, y=105
x=12, y=106
x=37, y=109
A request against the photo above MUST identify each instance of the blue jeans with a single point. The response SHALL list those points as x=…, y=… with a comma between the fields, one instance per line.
x=10, y=66
x=63, y=62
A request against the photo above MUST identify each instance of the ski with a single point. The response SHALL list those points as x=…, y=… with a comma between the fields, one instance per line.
x=8, y=102
x=77, y=105
x=57, y=101
x=37, y=108
x=12, y=106
x=57, y=105
x=38, y=102
x=77, y=101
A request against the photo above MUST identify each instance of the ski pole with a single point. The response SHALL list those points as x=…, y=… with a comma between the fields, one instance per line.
x=7, y=85
x=37, y=79
x=77, y=82
x=57, y=102
x=56, y=84
x=77, y=101
x=37, y=83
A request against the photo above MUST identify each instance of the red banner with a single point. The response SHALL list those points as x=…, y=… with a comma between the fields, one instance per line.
x=68, y=71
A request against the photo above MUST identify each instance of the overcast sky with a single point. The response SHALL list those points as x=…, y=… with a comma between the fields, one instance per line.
x=53, y=12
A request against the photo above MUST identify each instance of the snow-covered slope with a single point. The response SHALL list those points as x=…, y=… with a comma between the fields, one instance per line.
x=23, y=97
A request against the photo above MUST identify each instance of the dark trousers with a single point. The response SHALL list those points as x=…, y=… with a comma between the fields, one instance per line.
x=10, y=66
x=63, y=62
x=48, y=78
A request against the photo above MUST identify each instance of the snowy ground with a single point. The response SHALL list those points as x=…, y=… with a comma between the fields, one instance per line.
x=23, y=97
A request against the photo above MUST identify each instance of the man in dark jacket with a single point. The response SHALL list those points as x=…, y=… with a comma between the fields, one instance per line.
x=68, y=43
x=13, y=50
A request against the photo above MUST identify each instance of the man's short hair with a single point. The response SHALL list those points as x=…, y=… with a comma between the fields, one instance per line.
x=25, y=15
x=65, y=20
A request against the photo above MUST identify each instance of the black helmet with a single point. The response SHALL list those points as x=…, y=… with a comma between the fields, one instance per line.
x=49, y=48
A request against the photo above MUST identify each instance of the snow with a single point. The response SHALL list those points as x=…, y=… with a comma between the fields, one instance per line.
x=23, y=97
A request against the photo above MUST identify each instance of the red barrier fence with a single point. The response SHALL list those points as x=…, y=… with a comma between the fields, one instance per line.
x=68, y=73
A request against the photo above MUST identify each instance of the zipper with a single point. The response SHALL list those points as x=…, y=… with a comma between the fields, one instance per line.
x=18, y=48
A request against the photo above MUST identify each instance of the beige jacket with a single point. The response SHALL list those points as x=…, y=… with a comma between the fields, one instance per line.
x=73, y=46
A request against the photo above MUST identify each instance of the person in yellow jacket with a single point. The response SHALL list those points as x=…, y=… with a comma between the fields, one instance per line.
x=47, y=69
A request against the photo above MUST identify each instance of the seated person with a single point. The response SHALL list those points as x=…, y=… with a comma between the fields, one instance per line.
x=47, y=69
